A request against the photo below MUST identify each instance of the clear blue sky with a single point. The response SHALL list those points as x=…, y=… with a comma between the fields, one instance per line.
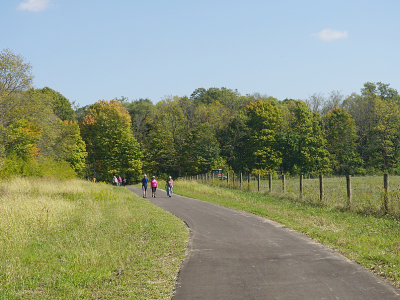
x=92, y=50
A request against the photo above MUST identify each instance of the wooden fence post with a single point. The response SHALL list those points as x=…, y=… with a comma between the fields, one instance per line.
x=321, y=188
x=248, y=182
x=227, y=179
x=301, y=186
x=348, y=184
x=240, y=180
x=258, y=182
x=270, y=182
x=283, y=184
x=386, y=192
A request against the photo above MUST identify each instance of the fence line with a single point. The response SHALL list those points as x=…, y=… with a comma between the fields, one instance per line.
x=368, y=194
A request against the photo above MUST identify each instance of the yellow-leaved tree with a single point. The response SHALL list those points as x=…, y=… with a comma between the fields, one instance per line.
x=112, y=148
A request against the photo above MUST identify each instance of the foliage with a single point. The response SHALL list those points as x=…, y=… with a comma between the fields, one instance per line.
x=376, y=115
x=70, y=147
x=61, y=106
x=13, y=166
x=112, y=148
x=264, y=121
x=141, y=112
x=340, y=133
x=383, y=143
x=30, y=127
x=188, y=135
x=15, y=79
x=22, y=137
x=302, y=143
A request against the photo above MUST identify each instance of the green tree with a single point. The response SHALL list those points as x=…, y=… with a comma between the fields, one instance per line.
x=233, y=138
x=112, y=148
x=223, y=95
x=15, y=79
x=21, y=109
x=340, y=133
x=70, y=147
x=167, y=132
x=22, y=137
x=384, y=142
x=160, y=154
x=200, y=150
x=301, y=141
x=376, y=119
x=61, y=106
x=141, y=112
x=264, y=120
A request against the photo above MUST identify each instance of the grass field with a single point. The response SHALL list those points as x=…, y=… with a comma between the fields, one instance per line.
x=372, y=240
x=367, y=191
x=78, y=240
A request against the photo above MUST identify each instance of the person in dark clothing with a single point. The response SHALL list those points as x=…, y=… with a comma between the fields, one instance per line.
x=145, y=182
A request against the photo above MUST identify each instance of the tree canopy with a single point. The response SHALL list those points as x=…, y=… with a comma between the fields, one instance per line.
x=112, y=148
x=183, y=135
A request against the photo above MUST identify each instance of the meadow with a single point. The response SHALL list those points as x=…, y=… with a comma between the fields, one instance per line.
x=74, y=239
x=370, y=239
x=367, y=192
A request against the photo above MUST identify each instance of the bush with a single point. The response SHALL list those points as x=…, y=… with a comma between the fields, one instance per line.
x=44, y=167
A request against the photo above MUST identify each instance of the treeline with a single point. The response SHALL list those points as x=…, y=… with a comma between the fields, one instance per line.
x=219, y=128
x=41, y=134
x=38, y=134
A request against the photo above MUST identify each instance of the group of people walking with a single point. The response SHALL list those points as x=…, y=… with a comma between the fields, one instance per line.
x=118, y=181
x=154, y=185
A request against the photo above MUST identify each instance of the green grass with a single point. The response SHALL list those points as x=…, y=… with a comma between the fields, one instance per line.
x=78, y=240
x=371, y=240
x=367, y=191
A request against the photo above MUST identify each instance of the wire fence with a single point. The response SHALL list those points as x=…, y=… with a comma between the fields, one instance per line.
x=367, y=194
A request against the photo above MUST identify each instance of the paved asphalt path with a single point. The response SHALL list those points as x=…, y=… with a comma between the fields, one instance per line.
x=237, y=255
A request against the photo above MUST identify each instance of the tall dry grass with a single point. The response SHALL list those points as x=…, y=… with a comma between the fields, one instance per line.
x=78, y=240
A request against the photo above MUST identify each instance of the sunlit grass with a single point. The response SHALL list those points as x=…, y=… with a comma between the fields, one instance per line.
x=78, y=240
x=372, y=240
x=367, y=192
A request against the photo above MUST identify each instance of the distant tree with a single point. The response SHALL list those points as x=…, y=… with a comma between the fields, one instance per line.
x=61, y=106
x=80, y=112
x=384, y=141
x=316, y=102
x=160, y=155
x=233, y=140
x=225, y=96
x=200, y=150
x=31, y=134
x=375, y=112
x=15, y=74
x=112, y=148
x=340, y=133
x=70, y=147
x=264, y=121
x=302, y=143
x=141, y=111
x=167, y=132
x=22, y=139
x=20, y=110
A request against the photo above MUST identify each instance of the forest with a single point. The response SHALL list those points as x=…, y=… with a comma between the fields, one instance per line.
x=43, y=134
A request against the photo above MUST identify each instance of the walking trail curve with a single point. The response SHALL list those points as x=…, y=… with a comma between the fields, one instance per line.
x=238, y=255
